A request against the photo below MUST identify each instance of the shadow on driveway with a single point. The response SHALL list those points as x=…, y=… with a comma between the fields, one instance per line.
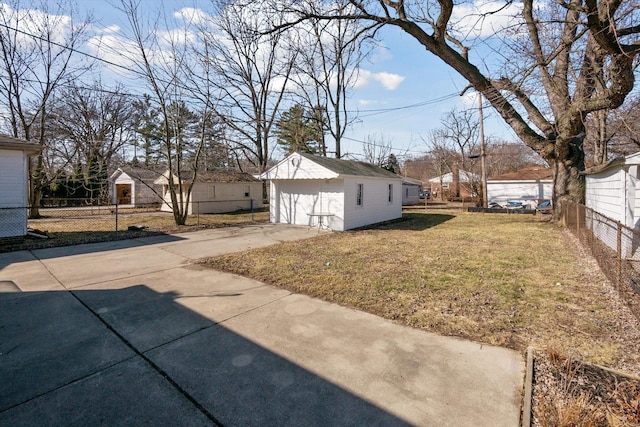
x=135, y=356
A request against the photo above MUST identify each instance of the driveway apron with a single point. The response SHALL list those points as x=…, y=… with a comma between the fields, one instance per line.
x=135, y=332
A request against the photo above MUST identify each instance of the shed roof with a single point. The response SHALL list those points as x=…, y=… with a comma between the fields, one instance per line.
x=304, y=166
x=410, y=181
x=222, y=176
x=532, y=173
x=350, y=167
x=8, y=142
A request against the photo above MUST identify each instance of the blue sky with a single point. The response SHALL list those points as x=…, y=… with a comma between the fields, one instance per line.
x=400, y=74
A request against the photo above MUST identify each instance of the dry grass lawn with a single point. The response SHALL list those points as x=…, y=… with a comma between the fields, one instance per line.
x=76, y=226
x=507, y=280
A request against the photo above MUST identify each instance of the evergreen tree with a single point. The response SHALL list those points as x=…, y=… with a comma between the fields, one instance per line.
x=299, y=130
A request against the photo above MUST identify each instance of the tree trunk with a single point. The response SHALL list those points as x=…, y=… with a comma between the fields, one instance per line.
x=568, y=182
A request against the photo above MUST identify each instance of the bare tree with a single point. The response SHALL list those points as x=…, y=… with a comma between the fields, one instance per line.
x=90, y=126
x=38, y=43
x=442, y=154
x=376, y=149
x=330, y=56
x=162, y=63
x=504, y=156
x=611, y=133
x=574, y=58
x=461, y=127
x=252, y=72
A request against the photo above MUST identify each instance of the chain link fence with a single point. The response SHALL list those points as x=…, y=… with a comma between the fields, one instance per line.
x=615, y=247
x=56, y=216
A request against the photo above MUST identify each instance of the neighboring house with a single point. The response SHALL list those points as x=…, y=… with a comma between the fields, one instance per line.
x=612, y=190
x=528, y=186
x=216, y=192
x=135, y=187
x=443, y=186
x=338, y=194
x=14, y=184
x=410, y=191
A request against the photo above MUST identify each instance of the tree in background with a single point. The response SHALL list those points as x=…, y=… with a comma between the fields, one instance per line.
x=252, y=71
x=376, y=149
x=460, y=129
x=38, y=44
x=146, y=126
x=162, y=62
x=392, y=164
x=299, y=131
x=613, y=133
x=574, y=58
x=330, y=54
x=90, y=125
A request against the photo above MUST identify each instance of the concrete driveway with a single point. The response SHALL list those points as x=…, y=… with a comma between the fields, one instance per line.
x=134, y=332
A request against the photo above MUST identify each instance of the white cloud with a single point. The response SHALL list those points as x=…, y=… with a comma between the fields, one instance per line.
x=389, y=81
x=33, y=22
x=192, y=15
x=111, y=29
x=484, y=18
x=370, y=102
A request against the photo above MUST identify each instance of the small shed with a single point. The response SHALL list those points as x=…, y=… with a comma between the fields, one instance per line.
x=411, y=191
x=14, y=184
x=334, y=193
x=529, y=186
x=612, y=190
x=216, y=192
x=135, y=187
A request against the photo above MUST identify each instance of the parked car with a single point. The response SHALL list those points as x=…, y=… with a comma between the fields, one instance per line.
x=425, y=194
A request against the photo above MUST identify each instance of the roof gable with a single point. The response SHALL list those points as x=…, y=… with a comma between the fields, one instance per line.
x=10, y=143
x=221, y=176
x=309, y=166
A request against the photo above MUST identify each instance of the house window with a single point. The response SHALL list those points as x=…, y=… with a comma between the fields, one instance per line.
x=359, y=194
x=390, y=193
x=406, y=192
x=212, y=192
x=247, y=191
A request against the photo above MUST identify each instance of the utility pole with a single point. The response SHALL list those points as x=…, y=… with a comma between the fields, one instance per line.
x=483, y=153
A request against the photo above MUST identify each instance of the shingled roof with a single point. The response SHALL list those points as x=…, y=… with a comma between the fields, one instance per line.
x=533, y=173
x=9, y=142
x=350, y=167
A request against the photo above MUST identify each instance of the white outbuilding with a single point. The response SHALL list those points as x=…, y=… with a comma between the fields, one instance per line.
x=14, y=184
x=333, y=193
x=613, y=190
x=135, y=187
x=411, y=191
x=215, y=192
x=528, y=186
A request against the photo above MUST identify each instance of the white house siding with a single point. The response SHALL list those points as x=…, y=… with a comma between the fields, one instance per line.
x=605, y=193
x=410, y=194
x=13, y=193
x=296, y=202
x=533, y=191
x=375, y=201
